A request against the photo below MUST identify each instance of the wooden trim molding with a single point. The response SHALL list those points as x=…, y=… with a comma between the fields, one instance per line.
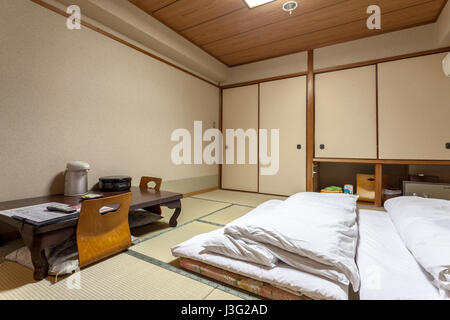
x=259, y=127
x=221, y=130
x=258, y=81
x=194, y=193
x=310, y=113
x=377, y=112
x=381, y=60
x=385, y=161
x=124, y=42
x=254, y=192
x=378, y=185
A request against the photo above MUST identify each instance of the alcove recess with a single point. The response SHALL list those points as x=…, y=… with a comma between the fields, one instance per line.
x=339, y=174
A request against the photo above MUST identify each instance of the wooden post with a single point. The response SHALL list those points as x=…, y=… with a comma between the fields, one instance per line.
x=379, y=185
x=310, y=124
x=220, y=128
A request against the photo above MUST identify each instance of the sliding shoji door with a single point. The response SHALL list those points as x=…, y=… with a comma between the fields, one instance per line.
x=283, y=107
x=346, y=114
x=240, y=111
x=414, y=109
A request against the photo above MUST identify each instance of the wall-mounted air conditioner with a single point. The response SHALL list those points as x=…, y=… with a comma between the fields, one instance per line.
x=446, y=65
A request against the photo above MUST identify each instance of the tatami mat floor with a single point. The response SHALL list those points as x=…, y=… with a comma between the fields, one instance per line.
x=159, y=247
x=227, y=214
x=236, y=197
x=147, y=270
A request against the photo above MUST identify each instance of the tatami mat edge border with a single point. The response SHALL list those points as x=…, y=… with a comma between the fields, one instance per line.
x=182, y=272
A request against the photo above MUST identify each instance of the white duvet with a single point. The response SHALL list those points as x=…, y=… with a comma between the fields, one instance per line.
x=281, y=276
x=312, y=232
x=387, y=269
x=306, y=244
x=424, y=226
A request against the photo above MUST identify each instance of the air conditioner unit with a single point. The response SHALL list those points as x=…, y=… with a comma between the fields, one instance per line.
x=446, y=65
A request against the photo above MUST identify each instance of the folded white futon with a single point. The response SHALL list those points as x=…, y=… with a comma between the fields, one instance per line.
x=306, y=243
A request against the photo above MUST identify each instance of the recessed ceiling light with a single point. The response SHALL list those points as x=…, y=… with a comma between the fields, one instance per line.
x=290, y=6
x=255, y=3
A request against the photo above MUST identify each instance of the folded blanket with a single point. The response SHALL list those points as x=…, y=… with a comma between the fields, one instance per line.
x=308, y=231
x=424, y=226
x=268, y=256
x=241, y=249
x=282, y=276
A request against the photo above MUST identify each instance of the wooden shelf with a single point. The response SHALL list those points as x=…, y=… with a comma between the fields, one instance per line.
x=383, y=161
x=366, y=203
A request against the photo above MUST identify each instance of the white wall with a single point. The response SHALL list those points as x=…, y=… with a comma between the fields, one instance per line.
x=78, y=95
x=385, y=45
x=292, y=63
x=381, y=46
x=133, y=23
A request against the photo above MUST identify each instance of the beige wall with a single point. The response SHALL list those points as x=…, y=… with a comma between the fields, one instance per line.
x=443, y=26
x=292, y=63
x=386, y=45
x=128, y=21
x=78, y=95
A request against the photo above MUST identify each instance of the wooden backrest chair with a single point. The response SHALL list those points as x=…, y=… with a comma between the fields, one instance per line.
x=144, y=185
x=102, y=235
x=146, y=180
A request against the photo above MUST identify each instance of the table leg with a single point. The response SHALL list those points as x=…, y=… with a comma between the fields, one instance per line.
x=37, y=243
x=173, y=221
x=40, y=263
x=177, y=206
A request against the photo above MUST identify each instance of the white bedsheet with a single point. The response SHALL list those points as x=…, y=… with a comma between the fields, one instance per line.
x=282, y=276
x=387, y=269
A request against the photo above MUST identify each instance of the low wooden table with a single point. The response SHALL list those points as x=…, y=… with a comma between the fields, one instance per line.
x=37, y=239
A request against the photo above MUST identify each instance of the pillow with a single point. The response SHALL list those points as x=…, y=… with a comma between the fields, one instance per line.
x=62, y=260
x=336, y=200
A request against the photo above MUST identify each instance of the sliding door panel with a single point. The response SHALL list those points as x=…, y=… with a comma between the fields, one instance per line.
x=414, y=109
x=346, y=113
x=240, y=111
x=283, y=107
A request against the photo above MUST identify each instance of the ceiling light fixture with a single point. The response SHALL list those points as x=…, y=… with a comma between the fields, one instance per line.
x=290, y=6
x=256, y=3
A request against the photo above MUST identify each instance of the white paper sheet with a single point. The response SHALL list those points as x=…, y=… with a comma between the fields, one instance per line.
x=37, y=213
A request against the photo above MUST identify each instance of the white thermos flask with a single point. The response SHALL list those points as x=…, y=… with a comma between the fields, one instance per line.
x=76, y=178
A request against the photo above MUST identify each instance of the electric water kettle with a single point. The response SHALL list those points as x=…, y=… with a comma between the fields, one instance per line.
x=76, y=179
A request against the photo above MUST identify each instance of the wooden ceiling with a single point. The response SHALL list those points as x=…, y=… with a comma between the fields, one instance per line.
x=235, y=34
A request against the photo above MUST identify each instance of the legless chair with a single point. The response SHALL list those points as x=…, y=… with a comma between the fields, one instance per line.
x=146, y=180
x=144, y=185
x=102, y=235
